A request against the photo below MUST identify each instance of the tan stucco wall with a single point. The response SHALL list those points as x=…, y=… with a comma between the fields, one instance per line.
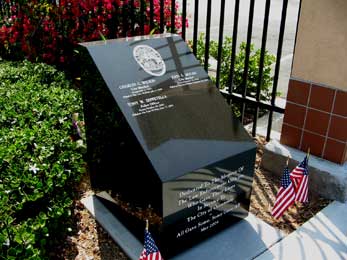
x=321, y=47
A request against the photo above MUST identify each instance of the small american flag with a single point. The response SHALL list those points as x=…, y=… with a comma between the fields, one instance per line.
x=299, y=177
x=285, y=196
x=150, y=250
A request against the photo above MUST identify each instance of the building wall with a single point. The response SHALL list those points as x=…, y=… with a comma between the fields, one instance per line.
x=316, y=110
x=321, y=47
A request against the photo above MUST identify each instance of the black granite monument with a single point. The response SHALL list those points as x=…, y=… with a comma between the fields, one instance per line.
x=160, y=135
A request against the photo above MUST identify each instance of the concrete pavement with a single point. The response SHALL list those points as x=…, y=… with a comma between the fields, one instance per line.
x=324, y=237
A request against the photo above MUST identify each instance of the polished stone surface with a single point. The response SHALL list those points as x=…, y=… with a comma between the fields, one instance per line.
x=179, y=148
x=192, y=126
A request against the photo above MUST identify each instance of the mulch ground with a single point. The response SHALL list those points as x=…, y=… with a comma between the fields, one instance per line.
x=265, y=187
x=88, y=240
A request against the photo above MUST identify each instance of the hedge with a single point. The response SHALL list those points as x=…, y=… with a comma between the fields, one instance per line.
x=41, y=157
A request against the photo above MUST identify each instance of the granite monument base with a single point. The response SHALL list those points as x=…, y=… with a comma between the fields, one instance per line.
x=163, y=140
x=247, y=239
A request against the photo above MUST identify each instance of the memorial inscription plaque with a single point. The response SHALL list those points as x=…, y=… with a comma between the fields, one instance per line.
x=159, y=133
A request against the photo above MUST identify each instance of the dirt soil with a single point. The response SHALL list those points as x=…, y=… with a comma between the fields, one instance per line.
x=88, y=240
x=265, y=187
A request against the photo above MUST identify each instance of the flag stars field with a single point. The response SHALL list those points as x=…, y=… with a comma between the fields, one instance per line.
x=294, y=188
x=150, y=250
x=285, y=196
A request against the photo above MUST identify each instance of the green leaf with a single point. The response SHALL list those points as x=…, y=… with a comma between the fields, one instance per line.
x=36, y=166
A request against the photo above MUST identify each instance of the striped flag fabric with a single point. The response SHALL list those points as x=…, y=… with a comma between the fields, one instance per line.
x=150, y=250
x=285, y=196
x=299, y=177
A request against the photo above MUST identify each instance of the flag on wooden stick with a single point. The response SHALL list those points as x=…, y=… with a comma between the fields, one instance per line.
x=285, y=196
x=150, y=250
x=299, y=177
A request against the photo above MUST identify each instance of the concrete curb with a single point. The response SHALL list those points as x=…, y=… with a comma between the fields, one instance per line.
x=326, y=178
x=121, y=235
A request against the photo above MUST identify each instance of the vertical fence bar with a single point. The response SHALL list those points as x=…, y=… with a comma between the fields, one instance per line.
x=8, y=7
x=173, y=14
x=261, y=64
x=132, y=18
x=184, y=18
x=162, y=16
x=196, y=26
x=296, y=32
x=247, y=54
x=233, y=48
x=5, y=8
x=143, y=16
x=125, y=15
x=278, y=65
x=2, y=11
x=115, y=24
x=220, y=42
x=151, y=14
x=207, y=38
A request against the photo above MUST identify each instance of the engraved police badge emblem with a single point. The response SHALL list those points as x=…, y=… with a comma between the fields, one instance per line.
x=150, y=60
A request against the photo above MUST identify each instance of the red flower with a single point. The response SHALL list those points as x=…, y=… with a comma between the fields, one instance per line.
x=50, y=34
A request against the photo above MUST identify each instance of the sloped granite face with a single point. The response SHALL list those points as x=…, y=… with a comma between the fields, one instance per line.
x=179, y=146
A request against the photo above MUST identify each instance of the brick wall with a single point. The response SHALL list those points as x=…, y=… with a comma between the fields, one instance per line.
x=316, y=117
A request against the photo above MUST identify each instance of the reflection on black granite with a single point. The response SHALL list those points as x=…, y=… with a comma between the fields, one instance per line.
x=198, y=113
x=167, y=141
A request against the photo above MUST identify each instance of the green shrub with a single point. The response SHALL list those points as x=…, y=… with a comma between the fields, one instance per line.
x=253, y=72
x=39, y=161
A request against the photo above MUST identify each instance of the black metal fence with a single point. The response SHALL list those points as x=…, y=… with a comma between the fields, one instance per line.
x=147, y=6
x=245, y=100
x=242, y=97
x=231, y=97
